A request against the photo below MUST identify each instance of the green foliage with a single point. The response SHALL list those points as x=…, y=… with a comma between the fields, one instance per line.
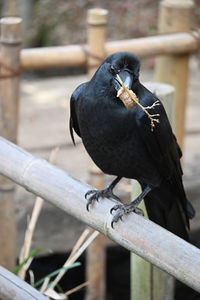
x=50, y=275
x=31, y=255
x=54, y=273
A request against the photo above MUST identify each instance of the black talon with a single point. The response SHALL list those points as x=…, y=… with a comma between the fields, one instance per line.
x=112, y=224
x=128, y=208
x=94, y=195
x=124, y=210
x=87, y=206
x=90, y=192
x=114, y=208
x=111, y=210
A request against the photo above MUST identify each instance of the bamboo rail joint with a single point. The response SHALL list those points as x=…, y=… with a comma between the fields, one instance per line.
x=137, y=234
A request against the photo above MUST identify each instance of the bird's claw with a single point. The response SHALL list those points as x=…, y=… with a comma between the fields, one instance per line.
x=117, y=206
x=94, y=195
x=89, y=193
x=124, y=210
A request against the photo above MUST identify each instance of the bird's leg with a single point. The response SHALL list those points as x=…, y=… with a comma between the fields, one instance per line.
x=94, y=195
x=124, y=209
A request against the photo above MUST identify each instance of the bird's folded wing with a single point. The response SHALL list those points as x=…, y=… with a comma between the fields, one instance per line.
x=73, y=121
x=161, y=143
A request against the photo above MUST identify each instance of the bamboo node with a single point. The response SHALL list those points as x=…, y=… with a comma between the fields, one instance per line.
x=13, y=72
x=11, y=43
x=7, y=187
x=196, y=35
x=97, y=16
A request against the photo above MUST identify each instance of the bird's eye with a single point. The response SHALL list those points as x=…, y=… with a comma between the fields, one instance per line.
x=112, y=70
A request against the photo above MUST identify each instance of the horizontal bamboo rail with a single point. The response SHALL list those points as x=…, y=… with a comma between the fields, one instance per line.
x=12, y=287
x=137, y=234
x=76, y=55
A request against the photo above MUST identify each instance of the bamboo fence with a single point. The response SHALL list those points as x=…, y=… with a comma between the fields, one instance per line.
x=174, y=46
x=77, y=55
x=137, y=234
x=13, y=288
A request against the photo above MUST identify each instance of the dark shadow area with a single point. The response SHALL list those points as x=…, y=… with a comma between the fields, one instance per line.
x=117, y=275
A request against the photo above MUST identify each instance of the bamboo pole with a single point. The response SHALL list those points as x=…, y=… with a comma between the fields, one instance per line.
x=13, y=288
x=10, y=8
x=76, y=55
x=137, y=234
x=176, y=16
x=9, y=97
x=96, y=261
x=147, y=281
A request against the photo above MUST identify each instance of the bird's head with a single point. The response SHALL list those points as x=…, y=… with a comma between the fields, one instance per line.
x=126, y=65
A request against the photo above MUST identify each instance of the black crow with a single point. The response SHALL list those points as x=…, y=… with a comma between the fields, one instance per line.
x=131, y=143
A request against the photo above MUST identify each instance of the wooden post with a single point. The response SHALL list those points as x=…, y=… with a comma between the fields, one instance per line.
x=97, y=19
x=147, y=281
x=176, y=16
x=9, y=97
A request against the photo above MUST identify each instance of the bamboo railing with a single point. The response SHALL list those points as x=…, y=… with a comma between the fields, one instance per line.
x=137, y=234
x=174, y=45
x=76, y=55
x=12, y=287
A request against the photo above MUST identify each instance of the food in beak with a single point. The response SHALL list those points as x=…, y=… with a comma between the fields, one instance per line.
x=126, y=99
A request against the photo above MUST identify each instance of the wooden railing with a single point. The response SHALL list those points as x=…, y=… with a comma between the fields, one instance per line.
x=137, y=234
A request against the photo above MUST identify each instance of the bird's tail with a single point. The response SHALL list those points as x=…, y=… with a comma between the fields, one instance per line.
x=169, y=208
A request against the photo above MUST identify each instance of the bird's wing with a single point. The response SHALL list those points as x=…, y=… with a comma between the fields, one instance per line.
x=73, y=121
x=163, y=149
x=160, y=142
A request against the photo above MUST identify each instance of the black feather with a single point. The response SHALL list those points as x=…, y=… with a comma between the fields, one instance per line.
x=122, y=143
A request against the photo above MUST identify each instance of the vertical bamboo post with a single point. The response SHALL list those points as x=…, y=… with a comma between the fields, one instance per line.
x=97, y=20
x=9, y=97
x=175, y=16
x=147, y=281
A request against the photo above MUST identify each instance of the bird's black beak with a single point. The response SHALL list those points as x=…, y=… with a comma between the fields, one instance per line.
x=127, y=79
